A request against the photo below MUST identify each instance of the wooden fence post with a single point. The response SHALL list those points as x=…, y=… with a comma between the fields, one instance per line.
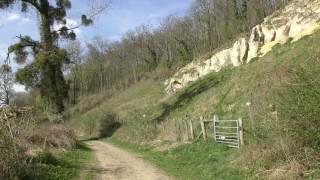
x=253, y=124
x=191, y=129
x=203, y=128
x=241, y=131
x=215, y=119
x=185, y=129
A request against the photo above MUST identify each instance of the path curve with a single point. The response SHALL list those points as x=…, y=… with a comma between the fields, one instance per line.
x=114, y=163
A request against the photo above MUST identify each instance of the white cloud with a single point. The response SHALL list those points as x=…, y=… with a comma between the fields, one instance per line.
x=3, y=50
x=19, y=88
x=71, y=22
x=114, y=38
x=26, y=20
x=13, y=17
x=10, y=17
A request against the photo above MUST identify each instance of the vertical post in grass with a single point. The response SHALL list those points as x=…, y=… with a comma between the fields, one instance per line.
x=249, y=105
x=241, y=131
x=191, y=129
x=185, y=129
x=215, y=119
x=203, y=128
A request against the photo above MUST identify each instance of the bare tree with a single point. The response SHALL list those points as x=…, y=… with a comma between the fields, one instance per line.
x=6, y=84
x=74, y=50
x=149, y=52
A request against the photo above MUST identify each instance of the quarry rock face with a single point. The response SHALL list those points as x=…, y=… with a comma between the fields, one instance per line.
x=298, y=19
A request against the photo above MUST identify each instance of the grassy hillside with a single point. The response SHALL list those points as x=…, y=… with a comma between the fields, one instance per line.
x=282, y=135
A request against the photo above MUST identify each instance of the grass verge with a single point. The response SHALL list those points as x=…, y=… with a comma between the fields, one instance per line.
x=198, y=160
x=64, y=166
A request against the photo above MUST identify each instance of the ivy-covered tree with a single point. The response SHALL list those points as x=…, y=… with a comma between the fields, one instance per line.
x=6, y=84
x=45, y=71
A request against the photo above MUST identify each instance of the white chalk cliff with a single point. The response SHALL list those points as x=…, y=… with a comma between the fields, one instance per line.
x=298, y=19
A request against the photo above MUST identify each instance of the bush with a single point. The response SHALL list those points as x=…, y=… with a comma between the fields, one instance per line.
x=19, y=133
x=53, y=135
x=13, y=146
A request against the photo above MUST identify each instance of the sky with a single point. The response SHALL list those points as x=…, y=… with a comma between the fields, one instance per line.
x=120, y=17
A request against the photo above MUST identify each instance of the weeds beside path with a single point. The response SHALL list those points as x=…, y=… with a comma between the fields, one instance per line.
x=68, y=165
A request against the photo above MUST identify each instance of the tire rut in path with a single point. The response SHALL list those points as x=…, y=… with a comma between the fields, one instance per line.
x=113, y=163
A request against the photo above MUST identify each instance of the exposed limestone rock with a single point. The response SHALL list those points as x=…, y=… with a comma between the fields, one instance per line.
x=298, y=19
x=239, y=52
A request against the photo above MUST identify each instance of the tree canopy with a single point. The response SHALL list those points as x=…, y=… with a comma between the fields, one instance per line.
x=45, y=71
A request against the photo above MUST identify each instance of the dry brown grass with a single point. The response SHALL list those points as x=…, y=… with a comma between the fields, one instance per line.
x=276, y=160
x=292, y=170
x=52, y=135
x=20, y=135
x=13, y=145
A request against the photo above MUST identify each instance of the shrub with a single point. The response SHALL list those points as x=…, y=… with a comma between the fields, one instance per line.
x=53, y=135
x=13, y=147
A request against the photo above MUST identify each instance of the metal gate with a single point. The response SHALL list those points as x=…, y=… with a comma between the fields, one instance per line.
x=229, y=132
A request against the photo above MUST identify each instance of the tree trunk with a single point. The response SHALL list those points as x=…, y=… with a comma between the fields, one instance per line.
x=45, y=30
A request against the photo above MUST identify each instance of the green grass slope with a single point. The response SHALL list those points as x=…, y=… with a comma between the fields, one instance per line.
x=198, y=160
x=282, y=136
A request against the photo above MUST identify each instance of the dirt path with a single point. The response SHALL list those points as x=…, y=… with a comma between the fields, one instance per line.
x=114, y=163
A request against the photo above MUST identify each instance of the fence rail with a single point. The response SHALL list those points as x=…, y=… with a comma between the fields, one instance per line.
x=229, y=132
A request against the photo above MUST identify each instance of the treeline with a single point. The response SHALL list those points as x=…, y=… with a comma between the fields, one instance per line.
x=149, y=52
